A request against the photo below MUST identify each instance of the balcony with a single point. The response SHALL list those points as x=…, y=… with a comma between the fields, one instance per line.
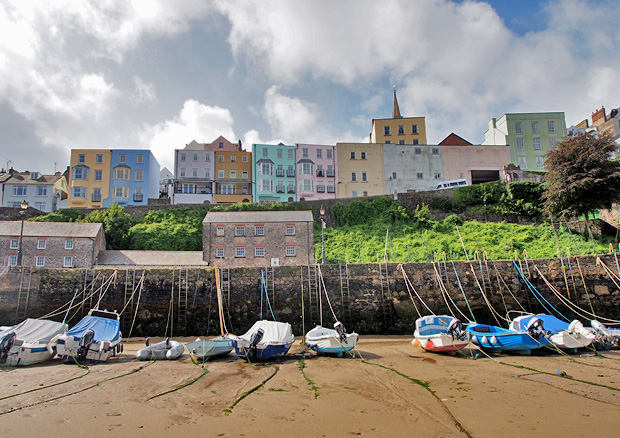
x=291, y=190
x=320, y=189
x=279, y=172
x=290, y=174
x=319, y=173
x=279, y=189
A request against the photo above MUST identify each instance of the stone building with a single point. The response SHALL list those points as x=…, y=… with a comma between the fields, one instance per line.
x=258, y=238
x=51, y=244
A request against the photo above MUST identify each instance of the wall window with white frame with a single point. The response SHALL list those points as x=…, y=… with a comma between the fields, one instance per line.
x=121, y=192
x=80, y=172
x=319, y=153
x=364, y=193
x=220, y=158
x=435, y=151
x=81, y=158
x=219, y=253
x=182, y=156
x=40, y=205
x=182, y=172
x=401, y=129
x=12, y=260
x=553, y=142
x=207, y=157
x=306, y=185
x=140, y=158
x=416, y=141
x=67, y=262
x=259, y=230
x=219, y=230
x=330, y=155
x=305, y=169
x=354, y=194
x=265, y=185
x=207, y=173
x=233, y=158
x=41, y=244
x=14, y=243
x=259, y=251
x=540, y=162
x=139, y=175
x=353, y=155
x=99, y=158
x=401, y=141
x=520, y=144
x=551, y=127
x=363, y=155
x=417, y=151
x=290, y=153
x=414, y=129
x=265, y=153
x=537, y=146
x=289, y=230
x=353, y=176
x=220, y=173
x=364, y=177
x=304, y=152
x=78, y=192
x=523, y=162
x=239, y=251
x=122, y=158
x=98, y=175
x=194, y=157
x=518, y=129
x=245, y=159
x=534, y=127
x=41, y=190
x=121, y=173
x=188, y=188
x=233, y=174
x=386, y=130
x=291, y=251
x=244, y=174
x=279, y=153
x=239, y=230
x=40, y=261
x=420, y=175
x=69, y=244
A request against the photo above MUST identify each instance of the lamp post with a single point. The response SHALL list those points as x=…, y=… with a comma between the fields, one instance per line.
x=322, y=211
x=485, y=208
x=24, y=207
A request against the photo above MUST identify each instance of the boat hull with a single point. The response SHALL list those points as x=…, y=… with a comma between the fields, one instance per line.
x=264, y=340
x=98, y=351
x=205, y=349
x=327, y=341
x=33, y=341
x=563, y=335
x=432, y=335
x=499, y=340
x=270, y=351
x=28, y=354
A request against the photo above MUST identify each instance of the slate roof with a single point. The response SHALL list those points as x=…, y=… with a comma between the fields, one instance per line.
x=258, y=216
x=50, y=229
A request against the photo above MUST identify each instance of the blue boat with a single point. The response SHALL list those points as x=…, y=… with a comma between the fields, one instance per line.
x=497, y=339
x=564, y=335
x=264, y=340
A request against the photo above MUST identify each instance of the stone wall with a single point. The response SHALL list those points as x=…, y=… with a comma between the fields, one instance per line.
x=365, y=306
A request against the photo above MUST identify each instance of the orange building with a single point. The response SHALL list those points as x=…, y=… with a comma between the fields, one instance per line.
x=233, y=177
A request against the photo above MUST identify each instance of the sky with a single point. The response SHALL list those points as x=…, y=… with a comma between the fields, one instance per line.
x=157, y=74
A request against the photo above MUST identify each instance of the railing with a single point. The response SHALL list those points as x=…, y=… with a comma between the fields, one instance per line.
x=320, y=189
x=138, y=198
x=290, y=173
x=279, y=172
x=280, y=190
x=291, y=190
x=319, y=173
x=96, y=198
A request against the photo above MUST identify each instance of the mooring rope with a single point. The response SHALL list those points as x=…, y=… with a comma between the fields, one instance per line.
x=537, y=294
x=409, y=284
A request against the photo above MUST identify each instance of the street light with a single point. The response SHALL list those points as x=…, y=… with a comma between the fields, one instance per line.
x=485, y=208
x=24, y=207
x=322, y=211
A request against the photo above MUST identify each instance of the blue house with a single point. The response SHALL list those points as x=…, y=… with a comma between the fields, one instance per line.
x=134, y=177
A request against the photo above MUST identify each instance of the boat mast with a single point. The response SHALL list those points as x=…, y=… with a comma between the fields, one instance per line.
x=219, y=299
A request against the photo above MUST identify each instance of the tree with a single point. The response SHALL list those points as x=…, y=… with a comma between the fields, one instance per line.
x=116, y=225
x=581, y=177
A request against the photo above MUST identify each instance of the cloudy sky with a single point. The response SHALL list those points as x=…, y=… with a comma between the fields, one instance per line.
x=156, y=74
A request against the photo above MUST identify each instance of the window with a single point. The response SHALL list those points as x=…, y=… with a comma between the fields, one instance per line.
x=98, y=175
x=518, y=129
x=553, y=141
x=245, y=159
x=417, y=151
x=401, y=129
x=40, y=261
x=244, y=174
x=534, y=127
x=420, y=175
x=240, y=251
x=233, y=174
x=78, y=192
x=220, y=158
x=14, y=243
x=306, y=185
x=182, y=172
x=291, y=187
x=536, y=143
x=290, y=153
x=122, y=158
x=523, y=162
x=207, y=158
x=12, y=260
x=319, y=153
x=264, y=169
x=540, y=162
x=330, y=154
x=81, y=158
x=138, y=196
x=140, y=174
x=182, y=156
x=194, y=173
x=363, y=155
x=415, y=141
x=520, y=144
x=194, y=157
x=354, y=193
x=219, y=230
x=304, y=152
x=259, y=230
x=226, y=189
x=220, y=174
x=388, y=141
x=330, y=170
x=189, y=188
x=99, y=158
x=220, y=145
x=414, y=129
x=364, y=193
x=330, y=187
x=207, y=173
x=39, y=206
x=68, y=244
x=393, y=175
x=386, y=130
x=319, y=170
x=265, y=185
x=279, y=153
x=219, y=253
x=239, y=230
x=41, y=244
x=364, y=178
x=353, y=176
x=437, y=175
x=96, y=196
x=121, y=192
x=306, y=169
x=259, y=251
x=401, y=141
x=265, y=153
x=550, y=127
x=291, y=251
x=80, y=172
x=41, y=190
x=233, y=158
x=20, y=190
x=34, y=175
x=353, y=155
x=289, y=230
x=121, y=173
x=139, y=158
x=435, y=151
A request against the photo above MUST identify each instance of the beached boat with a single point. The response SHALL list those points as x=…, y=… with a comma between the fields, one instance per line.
x=167, y=349
x=94, y=339
x=215, y=346
x=605, y=337
x=29, y=342
x=331, y=341
x=264, y=340
x=497, y=339
x=440, y=334
x=564, y=335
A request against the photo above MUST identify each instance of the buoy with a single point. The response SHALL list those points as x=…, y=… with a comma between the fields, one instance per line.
x=474, y=339
x=429, y=345
x=484, y=340
x=494, y=340
x=416, y=342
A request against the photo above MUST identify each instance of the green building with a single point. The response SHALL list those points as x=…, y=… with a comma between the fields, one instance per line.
x=274, y=173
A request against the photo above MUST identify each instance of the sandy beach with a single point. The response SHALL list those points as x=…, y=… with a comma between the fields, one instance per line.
x=391, y=389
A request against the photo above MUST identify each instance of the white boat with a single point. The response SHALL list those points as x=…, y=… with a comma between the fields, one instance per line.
x=167, y=349
x=605, y=337
x=215, y=346
x=29, y=342
x=264, y=340
x=331, y=341
x=440, y=334
x=96, y=338
x=563, y=335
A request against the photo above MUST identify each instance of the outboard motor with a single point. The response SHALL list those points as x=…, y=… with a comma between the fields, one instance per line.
x=536, y=329
x=5, y=345
x=85, y=342
x=254, y=340
x=456, y=330
x=339, y=327
x=147, y=342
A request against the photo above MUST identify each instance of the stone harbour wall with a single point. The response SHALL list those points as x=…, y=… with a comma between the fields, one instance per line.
x=376, y=299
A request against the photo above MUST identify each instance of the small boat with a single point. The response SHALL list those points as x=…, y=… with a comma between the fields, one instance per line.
x=215, y=346
x=29, y=342
x=264, y=340
x=440, y=334
x=331, y=341
x=167, y=349
x=564, y=335
x=497, y=339
x=94, y=339
x=605, y=337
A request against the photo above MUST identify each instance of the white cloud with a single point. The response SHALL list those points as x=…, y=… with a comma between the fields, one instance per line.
x=144, y=92
x=196, y=121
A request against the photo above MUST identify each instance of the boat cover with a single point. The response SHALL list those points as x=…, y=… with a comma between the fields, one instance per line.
x=105, y=329
x=275, y=332
x=38, y=330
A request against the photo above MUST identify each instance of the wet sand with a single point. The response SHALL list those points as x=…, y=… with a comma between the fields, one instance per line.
x=396, y=390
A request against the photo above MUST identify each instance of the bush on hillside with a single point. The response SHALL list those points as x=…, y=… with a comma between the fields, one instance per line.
x=65, y=215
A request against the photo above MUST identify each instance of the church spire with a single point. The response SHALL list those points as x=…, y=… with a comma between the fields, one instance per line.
x=396, y=111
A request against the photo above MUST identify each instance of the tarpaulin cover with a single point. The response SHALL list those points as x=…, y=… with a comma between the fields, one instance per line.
x=37, y=330
x=105, y=329
x=275, y=332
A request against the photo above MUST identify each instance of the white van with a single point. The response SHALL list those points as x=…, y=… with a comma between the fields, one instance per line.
x=450, y=184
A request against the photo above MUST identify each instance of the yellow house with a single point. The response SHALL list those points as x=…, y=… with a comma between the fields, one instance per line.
x=233, y=177
x=360, y=170
x=89, y=177
x=398, y=129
